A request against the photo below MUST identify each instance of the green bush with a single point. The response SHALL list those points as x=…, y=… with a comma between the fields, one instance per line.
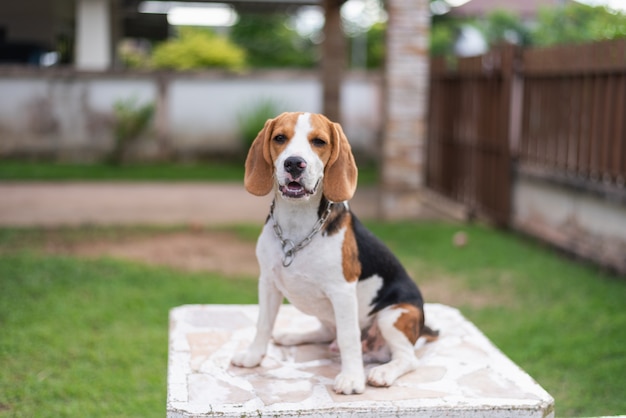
x=196, y=48
x=252, y=119
x=132, y=56
x=376, y=45
x=573, y=23
x=442, y=37
x=578, y=23
x=270, y=43
x=131, y=119
x=503, y=26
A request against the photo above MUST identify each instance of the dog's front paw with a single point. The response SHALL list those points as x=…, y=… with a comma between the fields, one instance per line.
x=349, y=383
x=247, y=359
x=382, y=376
x=385, y=374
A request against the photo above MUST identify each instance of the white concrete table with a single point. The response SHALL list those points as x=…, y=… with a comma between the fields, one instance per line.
x=461, y=375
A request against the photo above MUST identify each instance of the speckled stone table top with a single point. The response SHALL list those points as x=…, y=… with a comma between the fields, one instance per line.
x=462, y=374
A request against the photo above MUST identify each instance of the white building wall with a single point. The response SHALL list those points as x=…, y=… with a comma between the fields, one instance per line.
x=70, y=114
x=209, y=110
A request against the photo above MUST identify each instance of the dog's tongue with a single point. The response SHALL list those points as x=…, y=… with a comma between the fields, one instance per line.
x=295, y=187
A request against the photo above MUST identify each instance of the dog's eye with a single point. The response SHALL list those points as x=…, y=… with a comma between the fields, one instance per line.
x=280, y=139
x=318, y=142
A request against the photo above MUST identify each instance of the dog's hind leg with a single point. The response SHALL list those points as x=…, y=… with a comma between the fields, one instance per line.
x=399, y=325
x=323, y=334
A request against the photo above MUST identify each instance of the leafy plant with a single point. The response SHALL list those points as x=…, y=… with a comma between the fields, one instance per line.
x=573, y=23
x=442, y=37
x=252, y=119
x=502, y=26
x=373, y=42
x=577, y=23
x=270, y=43
x=132, y=56
x=376, y=45
x=131, y=119
x=196, y=48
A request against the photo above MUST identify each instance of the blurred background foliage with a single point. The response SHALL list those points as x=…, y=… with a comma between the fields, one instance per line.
x=578, y=23
x=195, y=48
x=570, y=23
x=269, y=40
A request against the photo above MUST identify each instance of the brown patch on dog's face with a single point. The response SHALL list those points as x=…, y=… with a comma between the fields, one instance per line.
x=282, y=132
x=299, y=154
x=320, y=136
x=410, y=322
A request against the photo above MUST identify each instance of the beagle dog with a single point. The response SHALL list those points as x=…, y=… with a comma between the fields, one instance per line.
x=315, y=252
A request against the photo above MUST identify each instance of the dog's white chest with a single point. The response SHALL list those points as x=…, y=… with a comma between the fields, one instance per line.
x=314, y=272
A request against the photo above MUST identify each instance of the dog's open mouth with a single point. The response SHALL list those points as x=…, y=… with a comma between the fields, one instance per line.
x=296, y=190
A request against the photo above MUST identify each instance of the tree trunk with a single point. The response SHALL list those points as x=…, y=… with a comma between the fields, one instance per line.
x=333, y=60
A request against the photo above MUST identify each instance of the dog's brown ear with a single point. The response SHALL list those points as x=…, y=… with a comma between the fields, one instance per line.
x=340, y=176
x=259, y=168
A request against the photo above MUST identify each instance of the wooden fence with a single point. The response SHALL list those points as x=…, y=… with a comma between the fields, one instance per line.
x=573, y=112
x=557, y=112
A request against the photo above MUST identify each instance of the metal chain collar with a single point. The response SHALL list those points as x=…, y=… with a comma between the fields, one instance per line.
x=288, y=246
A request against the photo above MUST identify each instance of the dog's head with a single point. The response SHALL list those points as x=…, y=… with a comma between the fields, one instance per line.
x=301, y=154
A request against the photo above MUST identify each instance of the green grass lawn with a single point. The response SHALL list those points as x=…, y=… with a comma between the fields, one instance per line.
x=50, y=171
x=561, y=321
x=225, y=170
x=89, y=337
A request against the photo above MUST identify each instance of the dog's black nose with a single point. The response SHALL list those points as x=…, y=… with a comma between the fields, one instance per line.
x=295, y=166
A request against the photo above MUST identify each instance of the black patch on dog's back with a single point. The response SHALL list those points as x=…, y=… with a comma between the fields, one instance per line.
x=336, y=218
x=377, y=259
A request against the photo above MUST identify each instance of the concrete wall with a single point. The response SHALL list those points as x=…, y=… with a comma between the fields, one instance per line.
x=69, y=114
x=585, y=222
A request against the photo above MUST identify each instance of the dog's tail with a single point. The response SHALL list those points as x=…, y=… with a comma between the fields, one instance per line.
x=429, y=333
